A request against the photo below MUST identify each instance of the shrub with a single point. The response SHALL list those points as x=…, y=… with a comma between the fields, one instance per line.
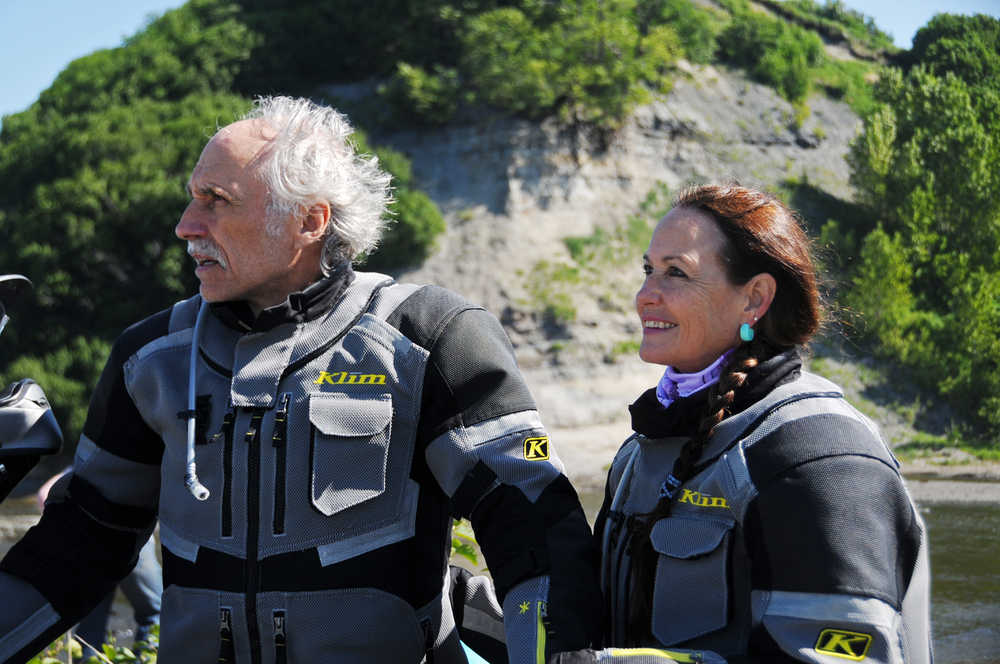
x=772, y=51
x=433, y=97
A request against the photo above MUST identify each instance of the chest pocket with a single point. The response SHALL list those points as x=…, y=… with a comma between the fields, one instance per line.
x=349, y=449
x=691, y=596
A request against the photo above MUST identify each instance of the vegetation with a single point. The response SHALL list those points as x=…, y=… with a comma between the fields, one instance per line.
x=92, y=183
x=773, y=51
x=93, y=172
x=927, y=167
x=836, y=21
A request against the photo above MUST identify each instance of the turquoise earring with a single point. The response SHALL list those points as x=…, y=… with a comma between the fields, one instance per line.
x=746, y=332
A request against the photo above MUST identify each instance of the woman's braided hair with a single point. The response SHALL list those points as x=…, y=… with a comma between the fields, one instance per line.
x=761, y=235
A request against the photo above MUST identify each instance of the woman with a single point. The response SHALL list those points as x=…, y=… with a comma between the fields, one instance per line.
x=754, y=515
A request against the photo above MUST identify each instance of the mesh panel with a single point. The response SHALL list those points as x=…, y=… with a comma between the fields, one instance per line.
x=506, y=457
x=257, y=366
x=350, y=448
x=523, y=608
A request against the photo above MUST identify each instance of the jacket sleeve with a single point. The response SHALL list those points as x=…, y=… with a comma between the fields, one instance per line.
x=491, y=456
x=95, y=520
x=838, y=551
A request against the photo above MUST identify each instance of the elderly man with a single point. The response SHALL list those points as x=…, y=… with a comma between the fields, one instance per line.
x=305, y=434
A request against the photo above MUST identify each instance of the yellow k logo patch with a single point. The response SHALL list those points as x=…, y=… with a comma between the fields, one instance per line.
x=849, y=645
x=536, y=449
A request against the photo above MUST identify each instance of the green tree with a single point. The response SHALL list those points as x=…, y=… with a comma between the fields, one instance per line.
x=584, y=59
x=927, y=165
x=696, y=28
x=966, y=46
x=773, y=51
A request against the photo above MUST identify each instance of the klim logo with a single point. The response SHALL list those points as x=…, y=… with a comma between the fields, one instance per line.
x=536, y=449
x=849, y=645
x=349, y=378
x=702, y=500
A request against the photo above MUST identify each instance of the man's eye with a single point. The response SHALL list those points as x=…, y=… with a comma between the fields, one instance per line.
x=647, y=269
x=675, y=272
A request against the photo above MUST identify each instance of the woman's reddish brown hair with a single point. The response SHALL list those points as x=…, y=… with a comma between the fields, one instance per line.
x=763, y=235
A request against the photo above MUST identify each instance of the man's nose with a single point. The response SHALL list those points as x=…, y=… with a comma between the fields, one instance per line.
x=189, y=226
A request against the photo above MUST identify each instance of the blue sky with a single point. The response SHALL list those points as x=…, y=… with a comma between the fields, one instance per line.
x=40, y=37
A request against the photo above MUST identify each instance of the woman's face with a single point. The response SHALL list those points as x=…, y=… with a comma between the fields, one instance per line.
x=689, y=310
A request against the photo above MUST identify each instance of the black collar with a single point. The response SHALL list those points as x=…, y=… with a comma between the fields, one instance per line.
x=311, y=302
x=651, y=419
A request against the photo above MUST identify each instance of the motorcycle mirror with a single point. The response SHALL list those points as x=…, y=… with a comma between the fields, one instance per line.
x=11, y=286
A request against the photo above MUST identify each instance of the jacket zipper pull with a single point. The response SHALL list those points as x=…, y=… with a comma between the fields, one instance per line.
x=280, y=641
x=227, y=654
x=281, y=422
x=227, y=428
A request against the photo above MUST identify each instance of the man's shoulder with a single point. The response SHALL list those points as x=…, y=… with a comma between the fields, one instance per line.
x=425, y=312
x=142, y=333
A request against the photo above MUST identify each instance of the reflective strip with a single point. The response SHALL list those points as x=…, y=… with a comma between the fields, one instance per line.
x=730, y=428
x=842, y=626
x=499, y=443
x=180, y=547
x=668, y=655
x=828, y=607
x=542, y=611
x=28, y=631
x=402, y=529
x=119, y=480
x=804, y=408
x=654, y=655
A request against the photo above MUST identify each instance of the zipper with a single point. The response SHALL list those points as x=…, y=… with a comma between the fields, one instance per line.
x=252, y=438
x=227, y=473
x=541, y=631
x=280, y=639
x=227, y=653
x=278, y=442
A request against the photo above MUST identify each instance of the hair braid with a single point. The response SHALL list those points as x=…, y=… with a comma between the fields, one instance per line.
x=721, y=397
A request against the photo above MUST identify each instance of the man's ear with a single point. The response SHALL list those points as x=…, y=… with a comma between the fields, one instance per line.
x=760, y=292
x=315, y=221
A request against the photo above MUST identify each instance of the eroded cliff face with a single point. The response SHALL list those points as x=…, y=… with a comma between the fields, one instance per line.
x=511, y=190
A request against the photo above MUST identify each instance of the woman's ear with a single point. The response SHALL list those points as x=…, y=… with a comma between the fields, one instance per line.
x=760, y=292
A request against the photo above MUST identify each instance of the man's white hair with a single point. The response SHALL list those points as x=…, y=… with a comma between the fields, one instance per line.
x=310, y=160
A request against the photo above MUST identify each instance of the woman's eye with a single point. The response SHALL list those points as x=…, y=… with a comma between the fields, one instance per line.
x=647, y=270
x=675, y=272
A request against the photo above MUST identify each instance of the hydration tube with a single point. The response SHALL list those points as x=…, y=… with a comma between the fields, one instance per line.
x=196, y=488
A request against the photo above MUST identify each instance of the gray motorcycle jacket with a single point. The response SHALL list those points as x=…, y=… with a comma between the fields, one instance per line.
x=338, y=435
x=796, y=541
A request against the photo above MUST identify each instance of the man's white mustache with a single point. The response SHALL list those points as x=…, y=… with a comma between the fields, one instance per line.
x=206, y=249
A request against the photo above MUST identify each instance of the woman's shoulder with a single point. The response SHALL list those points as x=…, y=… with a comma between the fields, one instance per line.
x=808, y=420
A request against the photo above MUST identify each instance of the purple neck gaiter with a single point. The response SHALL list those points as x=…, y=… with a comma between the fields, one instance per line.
x=674, y=385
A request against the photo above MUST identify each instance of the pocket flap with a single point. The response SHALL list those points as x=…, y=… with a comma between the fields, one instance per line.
x=684, y=537
x=343, y=416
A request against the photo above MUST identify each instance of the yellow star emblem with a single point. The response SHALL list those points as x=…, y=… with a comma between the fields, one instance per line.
x=524, y=607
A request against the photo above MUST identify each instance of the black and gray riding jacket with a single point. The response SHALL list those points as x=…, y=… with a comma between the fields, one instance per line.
x=337, y=435
x=795, y=541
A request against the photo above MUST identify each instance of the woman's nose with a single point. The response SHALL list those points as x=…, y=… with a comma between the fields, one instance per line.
x=646, y=294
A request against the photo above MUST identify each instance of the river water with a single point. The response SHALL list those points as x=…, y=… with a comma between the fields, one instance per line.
x=965, y=566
